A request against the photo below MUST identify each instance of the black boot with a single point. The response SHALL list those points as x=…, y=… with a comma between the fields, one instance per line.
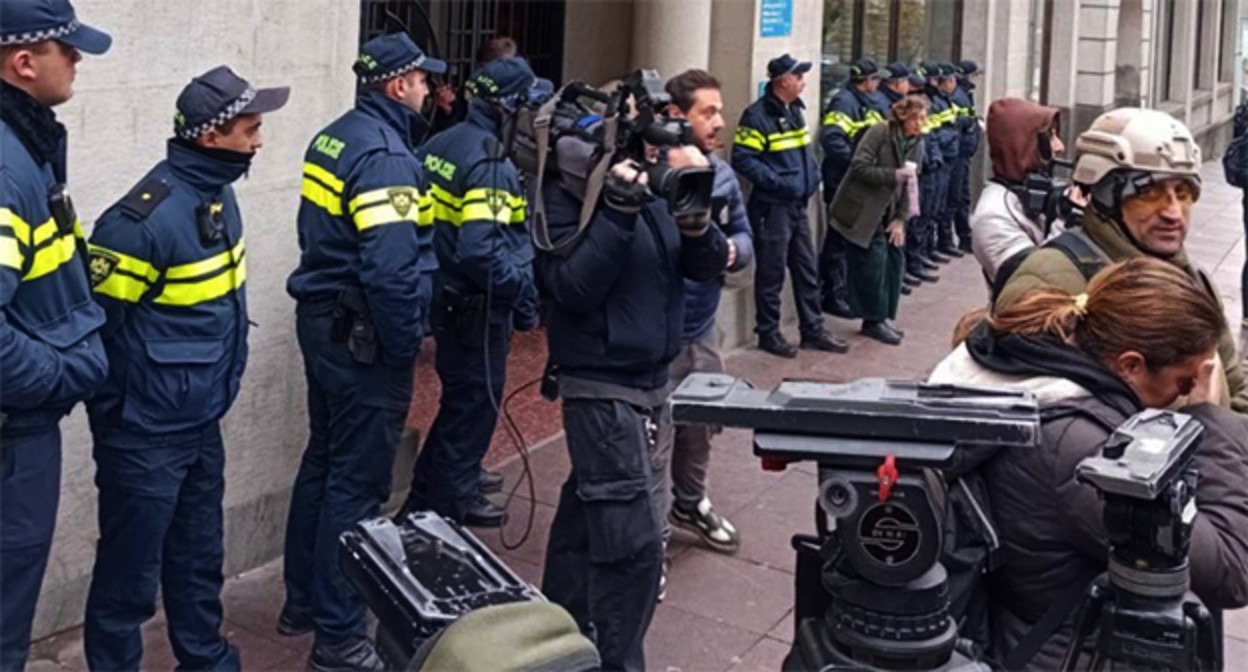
x=294, y=622
x=837, y=306
x=926, y=275
x=936, y=256
x=777, y=345
x=910, y=280
x=906, y=290
x=825, y=342
x=892, y=325
x=929, y=264
x=950, y=251
x=878, y=330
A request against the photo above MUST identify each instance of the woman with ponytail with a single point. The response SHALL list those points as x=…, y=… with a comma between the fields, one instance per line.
x=1143, y=336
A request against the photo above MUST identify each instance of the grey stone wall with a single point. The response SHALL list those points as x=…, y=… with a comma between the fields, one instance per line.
x=118, y=122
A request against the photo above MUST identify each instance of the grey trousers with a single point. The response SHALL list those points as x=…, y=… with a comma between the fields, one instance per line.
x=682, y=454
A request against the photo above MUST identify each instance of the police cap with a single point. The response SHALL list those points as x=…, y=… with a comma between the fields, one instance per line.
x=895, y=71
x=32, y=21
x=967, y=68
x=218, y=96
x=388, y=56
x=502, y=78
x=863, y=69
x=784, y=64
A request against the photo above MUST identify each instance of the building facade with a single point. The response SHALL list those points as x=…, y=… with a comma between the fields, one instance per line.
x=1084, y=56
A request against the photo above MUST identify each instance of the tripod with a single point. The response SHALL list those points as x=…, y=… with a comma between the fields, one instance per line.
x=1146, y=619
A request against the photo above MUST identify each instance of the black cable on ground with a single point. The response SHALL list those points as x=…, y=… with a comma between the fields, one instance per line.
x=522, y=448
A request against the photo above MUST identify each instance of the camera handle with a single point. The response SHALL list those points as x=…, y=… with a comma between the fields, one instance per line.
x=593, y=185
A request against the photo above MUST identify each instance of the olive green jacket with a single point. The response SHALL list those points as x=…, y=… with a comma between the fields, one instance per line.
x=869, y=190
x=1051, y=267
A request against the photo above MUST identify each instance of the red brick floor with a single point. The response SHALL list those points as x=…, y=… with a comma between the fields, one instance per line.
x=722, y=612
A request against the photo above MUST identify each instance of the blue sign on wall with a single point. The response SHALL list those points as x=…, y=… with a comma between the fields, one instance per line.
x=777, y=18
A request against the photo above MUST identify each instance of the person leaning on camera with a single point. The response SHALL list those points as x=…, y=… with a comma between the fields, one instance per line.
x=1143, y=336
x=615, y=327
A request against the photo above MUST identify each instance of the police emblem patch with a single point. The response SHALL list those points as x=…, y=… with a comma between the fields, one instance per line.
x=403, y=200
x=497, y=201
x=102, y=265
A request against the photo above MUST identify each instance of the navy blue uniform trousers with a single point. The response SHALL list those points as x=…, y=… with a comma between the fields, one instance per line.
x=356, y=414
x=30, y=489
x=782, y=239
x=605, y=549
x=160, y=529
x=959, y=201
x=447, y=475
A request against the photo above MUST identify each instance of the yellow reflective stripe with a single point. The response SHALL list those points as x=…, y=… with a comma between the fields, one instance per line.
x=794, y=140
x=482, y=212
x=390, y=205
x=194, y=293
x=127, y=263
x=750, y=138
x=20, y=228
x=122, y=287
x=43, y=233
x=206, y=266
x=51, y=257
x=321, y=197
x=440, y=194
x=314, y=171
x=11, y=254
x=427, y=205
x=842, y=121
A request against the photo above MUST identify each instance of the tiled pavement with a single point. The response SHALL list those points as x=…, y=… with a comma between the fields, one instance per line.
x=722, y=612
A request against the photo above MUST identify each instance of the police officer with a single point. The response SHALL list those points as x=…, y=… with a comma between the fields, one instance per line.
x=50, y=352
x=482, y=289
x=942, y=82
x=168, y=265
x=962, y=99
x=921, y=263
x=851, y=111
x=895, y=83
x=772, y=150
x=615, y=324
x=362, y=291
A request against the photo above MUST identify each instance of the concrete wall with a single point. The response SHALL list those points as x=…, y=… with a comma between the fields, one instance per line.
x=118, y=123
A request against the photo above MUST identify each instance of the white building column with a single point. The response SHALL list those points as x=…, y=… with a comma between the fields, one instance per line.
x=671, y=36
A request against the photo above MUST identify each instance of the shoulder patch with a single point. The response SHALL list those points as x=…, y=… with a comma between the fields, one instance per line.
x=143, y=199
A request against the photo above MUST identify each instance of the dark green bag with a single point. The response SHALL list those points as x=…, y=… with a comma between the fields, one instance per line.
x=530, y=636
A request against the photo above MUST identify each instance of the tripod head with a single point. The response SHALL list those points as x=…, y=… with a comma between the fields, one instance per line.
x=880, y=446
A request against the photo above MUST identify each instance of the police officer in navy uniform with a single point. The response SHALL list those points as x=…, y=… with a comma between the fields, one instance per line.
x=772, y=150
x=51, y=356
x=962, y=98
x=851, y=111
x=946, y=122
x=168, y=264
x=482, y=289
x=362, y=290
x=921, y=258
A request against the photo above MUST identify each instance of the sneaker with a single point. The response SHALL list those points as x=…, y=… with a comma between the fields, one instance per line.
x=491, y=482
x=358, y=655
x=713, y=528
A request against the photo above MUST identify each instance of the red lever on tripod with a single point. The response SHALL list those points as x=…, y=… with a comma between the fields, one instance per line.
x=887, y=475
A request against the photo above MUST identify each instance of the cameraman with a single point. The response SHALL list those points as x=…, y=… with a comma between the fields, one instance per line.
x=1023, y=139
x=615, y=327
x=1143, y=335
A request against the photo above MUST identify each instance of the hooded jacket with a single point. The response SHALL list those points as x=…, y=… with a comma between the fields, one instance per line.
x=1051, y=525
x=1001, y=230
x=1051, y=267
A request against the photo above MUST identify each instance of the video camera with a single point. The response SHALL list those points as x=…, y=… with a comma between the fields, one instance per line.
x=1142, y=608
x=579, y=132
x=1046, y=195
x=880, y=446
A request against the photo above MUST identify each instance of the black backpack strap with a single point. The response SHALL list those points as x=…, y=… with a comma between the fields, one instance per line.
x=1067, y=601
x=1081, y=252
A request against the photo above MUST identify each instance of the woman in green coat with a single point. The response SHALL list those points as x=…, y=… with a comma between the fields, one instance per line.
x=877, y=196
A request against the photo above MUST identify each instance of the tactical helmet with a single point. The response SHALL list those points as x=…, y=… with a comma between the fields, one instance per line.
x=1126, y=150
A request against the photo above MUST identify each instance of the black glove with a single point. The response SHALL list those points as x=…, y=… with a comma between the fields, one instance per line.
x=623, y=195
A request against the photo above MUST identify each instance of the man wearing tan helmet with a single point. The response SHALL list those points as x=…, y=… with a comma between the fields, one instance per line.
x=1141, y=171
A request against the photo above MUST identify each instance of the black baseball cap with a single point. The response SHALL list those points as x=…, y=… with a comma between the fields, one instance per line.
x=863, y=69
x=783, y=65
x=967, y=68
x=897, y=70
x=32, y=21
x=218, y=96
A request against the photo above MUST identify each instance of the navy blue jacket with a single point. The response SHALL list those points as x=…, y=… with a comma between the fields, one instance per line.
x=968, y=121
x=366, y=220
x=479, y=235
x=728, y=212
x=176, y=298
x=944, y=135
x=771, y=149
x=619, y=297
x=850, y=113
x=51, y=356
